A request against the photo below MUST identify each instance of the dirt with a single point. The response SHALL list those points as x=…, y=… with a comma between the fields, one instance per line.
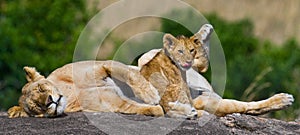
x=112, y=123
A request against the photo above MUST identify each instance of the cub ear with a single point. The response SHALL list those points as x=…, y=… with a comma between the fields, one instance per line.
x=32, y=75
x=169, y=41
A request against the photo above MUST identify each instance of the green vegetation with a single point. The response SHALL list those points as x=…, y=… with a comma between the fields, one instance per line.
x=44, y=33
x=36, y=33
x=248, y=59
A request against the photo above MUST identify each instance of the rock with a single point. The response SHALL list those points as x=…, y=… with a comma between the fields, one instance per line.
x=114, y=123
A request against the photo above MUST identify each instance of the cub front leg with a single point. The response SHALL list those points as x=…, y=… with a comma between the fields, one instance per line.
x=132, y=107
x=16, y=111
x=151, y=110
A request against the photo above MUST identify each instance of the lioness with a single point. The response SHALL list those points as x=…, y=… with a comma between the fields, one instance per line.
x=84, y=86
x=88, y=86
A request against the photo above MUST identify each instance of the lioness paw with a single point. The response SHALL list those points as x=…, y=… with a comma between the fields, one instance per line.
x=276, y=102
x=280, y=101
x=16, y=111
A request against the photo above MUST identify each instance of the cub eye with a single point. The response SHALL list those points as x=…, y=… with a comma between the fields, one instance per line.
x=196, y=41
x=192, y=50
x=180, y=51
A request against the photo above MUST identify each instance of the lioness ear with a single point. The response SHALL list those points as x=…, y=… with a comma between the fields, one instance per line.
x=169, y=41
x=32, y=75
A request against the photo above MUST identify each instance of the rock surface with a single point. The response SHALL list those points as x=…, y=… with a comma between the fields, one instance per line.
x=112, y=123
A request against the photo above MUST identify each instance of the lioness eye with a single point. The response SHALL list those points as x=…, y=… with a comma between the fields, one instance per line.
x=40, y=89
x=180, y=51
x=192, y=50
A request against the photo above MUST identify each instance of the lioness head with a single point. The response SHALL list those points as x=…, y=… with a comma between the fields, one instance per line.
x=40, y=98
x=187, y=52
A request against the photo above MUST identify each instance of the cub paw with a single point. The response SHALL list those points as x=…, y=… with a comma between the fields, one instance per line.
x=201, y=113
x=150, y=110
x=180, y=110
x=16, y=111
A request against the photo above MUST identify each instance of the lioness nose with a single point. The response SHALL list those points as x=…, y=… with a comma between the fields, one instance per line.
x=49, y=101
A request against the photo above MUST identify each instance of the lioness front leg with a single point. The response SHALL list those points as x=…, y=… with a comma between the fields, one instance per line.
x=110, y=98
x=16, y=111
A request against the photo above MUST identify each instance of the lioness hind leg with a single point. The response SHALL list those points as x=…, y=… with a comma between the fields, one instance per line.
x=221, y=107
x=131, y=107
x=276, y=102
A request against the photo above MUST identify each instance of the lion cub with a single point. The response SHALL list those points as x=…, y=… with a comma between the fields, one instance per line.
x=164, y=71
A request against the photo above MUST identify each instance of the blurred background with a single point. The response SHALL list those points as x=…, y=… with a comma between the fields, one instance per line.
x=260, y=41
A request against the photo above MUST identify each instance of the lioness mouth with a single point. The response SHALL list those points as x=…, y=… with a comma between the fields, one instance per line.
x=51, y=101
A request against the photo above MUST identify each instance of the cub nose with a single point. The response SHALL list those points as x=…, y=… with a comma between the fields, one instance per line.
x=189, y=62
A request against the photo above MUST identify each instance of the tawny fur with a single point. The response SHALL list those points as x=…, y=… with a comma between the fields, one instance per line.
x=87, y=86
x=162, y=68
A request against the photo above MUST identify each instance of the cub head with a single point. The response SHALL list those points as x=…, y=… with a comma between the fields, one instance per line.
x=186, y=52
x=40, y=98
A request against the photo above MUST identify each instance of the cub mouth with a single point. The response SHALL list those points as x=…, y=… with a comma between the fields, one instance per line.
x=186, y=66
